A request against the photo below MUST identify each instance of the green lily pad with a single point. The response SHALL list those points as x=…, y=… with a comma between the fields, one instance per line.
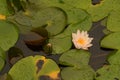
x=111, y=41
x=4, y=9
x=53, y=18
x=74, y=15
x=60, y=43
x=113, y=22
x=72, y=73
x=2, y=54
x=34, y=68
x=85, y=25
x=110, y=72
x=83, y=4
x=101, y=10
x=2, y=63
x=2, y=59
x=75, y=58
x=114, y=58
x=8, y=35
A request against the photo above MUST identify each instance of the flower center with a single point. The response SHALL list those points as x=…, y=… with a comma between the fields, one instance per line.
x=81, y=41
x=2, y=17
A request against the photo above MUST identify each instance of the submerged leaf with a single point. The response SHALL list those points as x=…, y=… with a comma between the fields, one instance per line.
x=8, y=35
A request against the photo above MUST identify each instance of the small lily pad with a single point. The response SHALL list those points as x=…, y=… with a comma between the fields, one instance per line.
x=109, y=72
x=111, y=41
x=60, y=43
x=8, y=35
x=75, y=58
x=82, y=73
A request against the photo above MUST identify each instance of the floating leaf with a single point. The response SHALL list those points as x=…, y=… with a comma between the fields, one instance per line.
x=111, y=41
x=82, y=73
x=85, y=24
x=34, y=68
x=100, y=11
x=113, y=23
x=114, y=58
x=75, y=58
x=2, y=62
x=110, y=72
x=8, y=35
x=60, y=43
x=4, y=10
x=14, y=54
x=83, y=4
x=54, y=18
x=74, y=15
x=5, y=77
x=2, y=54
x=2, y=59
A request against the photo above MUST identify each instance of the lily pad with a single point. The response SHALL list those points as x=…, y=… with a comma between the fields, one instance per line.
x=60, y=43
x=4, y=10
x=74, y=15
x=114, y=58
x=75, y=58
x=82, y=73
x=34, y=68
x=2, y=59
x=83, y=4
x=53, y=18
x=2, y=54
x=2, y=62
x=8, y=35
x=110, y=72
x=113, y=22
x=85, y=25
x=111, y=41
x=101, y=10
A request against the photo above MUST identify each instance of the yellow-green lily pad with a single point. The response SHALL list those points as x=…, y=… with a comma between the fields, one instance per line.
x=35, y=68
x=111, y=41
x=8, y=35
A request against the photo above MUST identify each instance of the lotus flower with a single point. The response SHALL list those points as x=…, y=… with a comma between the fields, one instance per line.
x=81, y=40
